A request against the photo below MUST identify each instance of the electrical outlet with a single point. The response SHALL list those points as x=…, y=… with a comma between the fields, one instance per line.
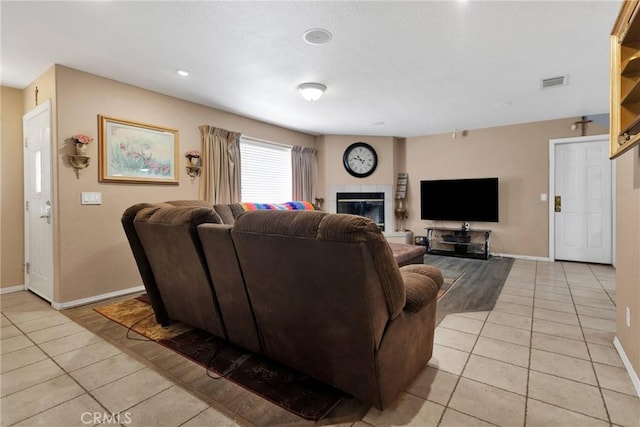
x=628, y=317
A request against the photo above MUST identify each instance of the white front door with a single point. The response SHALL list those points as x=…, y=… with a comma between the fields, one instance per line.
x=583, y=201
x=38, y=220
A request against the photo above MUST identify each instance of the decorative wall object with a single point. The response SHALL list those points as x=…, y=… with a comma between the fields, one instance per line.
x=401, y=191
x=133, y=152
x=80, y=160
x=194, y=165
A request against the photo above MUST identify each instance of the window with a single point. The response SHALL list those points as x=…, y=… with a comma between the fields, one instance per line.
x=265, y=171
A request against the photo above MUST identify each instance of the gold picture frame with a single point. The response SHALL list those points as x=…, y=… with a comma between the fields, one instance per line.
x=138, y=153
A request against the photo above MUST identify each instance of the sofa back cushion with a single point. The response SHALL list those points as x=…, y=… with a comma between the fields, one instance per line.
x=316, y=291
x=169, y=238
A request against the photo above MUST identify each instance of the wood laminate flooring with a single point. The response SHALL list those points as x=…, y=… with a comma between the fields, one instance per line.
x=477, y=289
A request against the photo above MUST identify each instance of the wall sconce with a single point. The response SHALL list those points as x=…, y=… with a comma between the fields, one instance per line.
x=80, y=160
x=195, y=165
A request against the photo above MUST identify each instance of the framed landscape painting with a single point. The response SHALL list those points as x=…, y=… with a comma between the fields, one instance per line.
x=134, y=152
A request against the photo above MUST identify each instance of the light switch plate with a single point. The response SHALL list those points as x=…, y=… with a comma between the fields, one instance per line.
x=91, y=198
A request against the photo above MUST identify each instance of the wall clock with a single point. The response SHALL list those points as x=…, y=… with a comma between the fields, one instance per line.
x=360, y=159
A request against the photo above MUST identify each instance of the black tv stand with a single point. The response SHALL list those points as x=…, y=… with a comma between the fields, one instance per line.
x=471, y=243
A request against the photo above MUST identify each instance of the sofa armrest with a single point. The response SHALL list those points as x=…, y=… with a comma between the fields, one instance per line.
x=420, y=290
x=425, y=270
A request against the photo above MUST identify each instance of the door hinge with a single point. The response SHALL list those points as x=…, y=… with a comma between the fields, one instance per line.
x=26, y=142
x=27, y=267
x=26, y=206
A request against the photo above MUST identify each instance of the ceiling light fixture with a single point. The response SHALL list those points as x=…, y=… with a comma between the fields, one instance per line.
x=183, y=73
x=311, y=91
x=317, y=36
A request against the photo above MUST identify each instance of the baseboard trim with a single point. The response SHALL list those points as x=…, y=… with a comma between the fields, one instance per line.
x=526, y=257
x=96, y=298
x=11, y=289
x=627, y=364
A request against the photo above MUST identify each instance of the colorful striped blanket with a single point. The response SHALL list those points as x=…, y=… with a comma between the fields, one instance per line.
x=287, y=206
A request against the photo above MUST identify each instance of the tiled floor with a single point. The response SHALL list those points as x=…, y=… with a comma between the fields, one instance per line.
x=543, y=357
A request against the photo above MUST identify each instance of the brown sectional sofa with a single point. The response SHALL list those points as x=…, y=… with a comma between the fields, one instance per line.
x=319, y=292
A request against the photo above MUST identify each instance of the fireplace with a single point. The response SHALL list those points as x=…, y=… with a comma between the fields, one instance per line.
x=370, y=205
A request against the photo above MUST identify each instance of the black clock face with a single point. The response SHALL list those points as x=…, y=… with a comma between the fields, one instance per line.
x=360, y=159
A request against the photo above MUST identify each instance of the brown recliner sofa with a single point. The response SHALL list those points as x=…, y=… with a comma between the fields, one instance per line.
x=321, y=293
x=329, y=300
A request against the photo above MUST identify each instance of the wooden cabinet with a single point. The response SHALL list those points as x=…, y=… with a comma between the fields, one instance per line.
x=625, y=79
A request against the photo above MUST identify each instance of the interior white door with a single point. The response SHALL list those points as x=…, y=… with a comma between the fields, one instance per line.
x=38, y=224
x=583, y=212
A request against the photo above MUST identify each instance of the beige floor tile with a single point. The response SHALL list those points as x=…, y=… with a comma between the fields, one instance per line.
x=171, y=407
x=557, y=329
x=69, y=343
x=130, y=390
x=448, y=359
x=31, y=401
x=598, y=337
x=563, y=366
x=506, y=333
x=408, y=410
x=15, y=343
x=85, y=356
x=495, y=373
x=540, y=414
x=589, y=293
x=507, y=290
x=453, y=418
x=519, y=284
x=557, y=291
x=29, y=305
x=74, y=412
x=454, y=339
x=547, y=296
x=514, y=299
x=488, y=403
x=9, y=332
x=598, y=323
x=53, y=319
x=434, y=384
x=20, y=316
x=592, y=302
x=624, y=410
x=614, y=378
x=563, y=307
x=28, y=376
x=507, y=307
x=106, y=371
x=603, y=313
x=210, y=417
x=605, y=354
x=463, y=324
x=54, y=332
x=566, y=346
x=555, y=316
x=20, y=358
x=503, y=351
x=4, y=321
x=507, y=319
x=568, y=394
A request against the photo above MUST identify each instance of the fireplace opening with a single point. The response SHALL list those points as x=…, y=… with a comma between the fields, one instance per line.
x=370, y=205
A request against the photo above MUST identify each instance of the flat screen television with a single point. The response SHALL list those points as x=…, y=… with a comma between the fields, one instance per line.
x=460, y=199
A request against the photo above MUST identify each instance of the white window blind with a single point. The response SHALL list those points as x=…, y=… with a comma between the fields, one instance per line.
x=265, y=171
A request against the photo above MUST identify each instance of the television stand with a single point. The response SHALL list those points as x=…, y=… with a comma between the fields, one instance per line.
x=472, y=243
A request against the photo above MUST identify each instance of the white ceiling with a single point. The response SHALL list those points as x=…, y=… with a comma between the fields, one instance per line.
x=392, y=68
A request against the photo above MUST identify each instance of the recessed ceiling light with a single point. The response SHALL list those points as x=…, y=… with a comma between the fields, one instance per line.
x=317, y=36
x=183, y=73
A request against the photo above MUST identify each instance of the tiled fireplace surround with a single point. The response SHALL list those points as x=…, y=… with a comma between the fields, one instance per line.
x=390, y=220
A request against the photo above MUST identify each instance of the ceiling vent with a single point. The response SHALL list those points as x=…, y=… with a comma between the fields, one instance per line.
x=554, y=82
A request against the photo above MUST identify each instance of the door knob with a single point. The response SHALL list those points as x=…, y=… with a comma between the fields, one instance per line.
x=558, y=204
x=48, y=214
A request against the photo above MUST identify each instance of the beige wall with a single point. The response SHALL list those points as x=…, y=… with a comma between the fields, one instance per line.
x=91, y=251
x=518, y=155
x=11, y=192
x=628, y=253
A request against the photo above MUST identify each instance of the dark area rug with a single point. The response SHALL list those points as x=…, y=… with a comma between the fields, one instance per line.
x=297, y=393
x=478, y=286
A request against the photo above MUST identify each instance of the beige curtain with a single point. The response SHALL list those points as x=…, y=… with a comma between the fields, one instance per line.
x=220, y=179
x=303, y=168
